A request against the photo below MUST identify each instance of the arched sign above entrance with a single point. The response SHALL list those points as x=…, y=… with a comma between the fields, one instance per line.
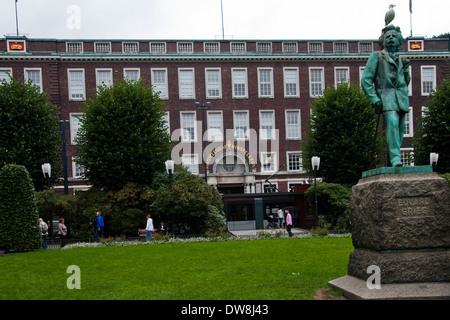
x=235, y=148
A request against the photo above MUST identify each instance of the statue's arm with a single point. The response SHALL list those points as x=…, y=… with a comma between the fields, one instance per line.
x=368, y=78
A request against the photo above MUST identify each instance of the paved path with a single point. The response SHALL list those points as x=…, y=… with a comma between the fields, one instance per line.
x=252, y=233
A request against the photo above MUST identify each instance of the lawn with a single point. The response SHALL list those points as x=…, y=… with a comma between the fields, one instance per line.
x=281, y=269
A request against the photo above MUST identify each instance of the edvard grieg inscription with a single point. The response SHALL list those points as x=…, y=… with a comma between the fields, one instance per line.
x=409, y=207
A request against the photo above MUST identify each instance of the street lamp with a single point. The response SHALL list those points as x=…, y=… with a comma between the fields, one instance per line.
x=315, y=162
x=434, y=159
x=170, y=165
x=47, y=171
x=203, y=107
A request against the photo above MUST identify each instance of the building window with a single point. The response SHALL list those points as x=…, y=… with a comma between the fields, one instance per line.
x=215, y=126
x=238, y=47
x=264, y=47
x=293, y=124
x=340, y=47
x=316, y=82
x=407, y=156
x=294, y=161
x=361, y=72
x=428, y=75
x=76, y=84
x=315, y=47
x=289, y=47
x=190, y=161
x=185, y=47
x=103, y=77
x=211, y=47
x=5, y=73
x=166, y=117
x=266, y=124
x=239, y=79
x=268, y=161
x=265, y=82
x=241, y=124
x=186, y=83
x=157, y=47
x=213, y=83
x=130, y=47
x=365, y=47
x=74, y=47
x=74, y=126
x=341, y=74
x=102, y=47
x=409, y=132
x=160, y=82
x=291, y=84
x=132, y=74
x=35, y=76
x=188, y=127
x=77, y=169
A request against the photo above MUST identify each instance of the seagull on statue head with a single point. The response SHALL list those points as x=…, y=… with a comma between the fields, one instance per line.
x=390, y=14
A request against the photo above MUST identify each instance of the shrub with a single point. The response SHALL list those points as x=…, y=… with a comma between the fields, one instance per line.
x=19, y=224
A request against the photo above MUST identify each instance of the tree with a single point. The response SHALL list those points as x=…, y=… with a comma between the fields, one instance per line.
x=29, y=124
x=342, y=133
x=123, y=135
x=19, y=224
x=433, y=132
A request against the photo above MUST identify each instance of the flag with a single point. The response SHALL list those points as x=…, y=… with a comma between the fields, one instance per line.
x=410, y=6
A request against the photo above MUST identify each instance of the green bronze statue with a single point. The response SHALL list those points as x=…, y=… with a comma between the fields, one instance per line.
x=385, y=83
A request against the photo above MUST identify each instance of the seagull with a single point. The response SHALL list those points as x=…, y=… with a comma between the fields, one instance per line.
x=390, y=14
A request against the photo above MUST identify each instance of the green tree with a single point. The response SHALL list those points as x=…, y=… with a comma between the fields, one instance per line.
x=123, y=135
x=19, y=224
x=342, y=133
x=433, y=132
x=29, y=124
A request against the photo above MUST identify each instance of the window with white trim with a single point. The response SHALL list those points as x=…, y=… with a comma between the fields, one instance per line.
x=315, y=47
x=266, y=124
x=186, y=83
x=341, y=74
x=132, y=74
x=166, y=118
x=294, y=160
x=157, y=47
x=188, y=129
x=409, y=132
x=289, y=47
x=238, y=47
x=74, y=47
x=410, y=82
x=265, y=82
x=316, y=82
x=264, y=47
x=241, y=124
x=340, y=47
x=102, y=47
x=76, y=83
x=103, y=77
x=185, y=47
x=160, y=82
x=293, y=124
x=213, y=83
x=239, y=81
x=5, y=73
x=35, y=76
x=74, y=126
x=215, y=126
x=211, y=47
x=407, y=156
x=130, y=47
x=291, y=85
x=365, y=47
x=190, y=161
x=428, y=78
x=268, y=161
x=77, y=169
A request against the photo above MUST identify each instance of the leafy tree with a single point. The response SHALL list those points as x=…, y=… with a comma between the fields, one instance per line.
x=342, y=133
x=123, y=135
x=433, y=131
x=29, y=124
x=19, y=224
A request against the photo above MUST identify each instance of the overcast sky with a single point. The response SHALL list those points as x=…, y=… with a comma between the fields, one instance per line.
x=201, y=19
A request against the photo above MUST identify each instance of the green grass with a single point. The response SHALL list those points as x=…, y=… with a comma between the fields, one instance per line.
x=251, y=270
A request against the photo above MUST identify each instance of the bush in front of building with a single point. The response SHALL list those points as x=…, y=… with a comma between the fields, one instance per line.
x=19, y=224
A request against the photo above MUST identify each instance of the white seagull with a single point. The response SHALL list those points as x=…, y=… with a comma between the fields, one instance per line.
x=390, y=14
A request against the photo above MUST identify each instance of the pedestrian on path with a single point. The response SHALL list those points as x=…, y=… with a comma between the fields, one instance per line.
x=281, y=217
x=44, y=232
x=149, y=227
x=289, y=222
x=100, y=226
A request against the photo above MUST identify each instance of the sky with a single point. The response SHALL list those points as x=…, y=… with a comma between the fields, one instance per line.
x=202, y=19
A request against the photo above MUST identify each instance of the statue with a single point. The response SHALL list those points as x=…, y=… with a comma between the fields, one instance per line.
x=385, y=83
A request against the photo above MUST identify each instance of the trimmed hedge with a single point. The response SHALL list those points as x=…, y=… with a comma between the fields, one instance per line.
x=19, y=221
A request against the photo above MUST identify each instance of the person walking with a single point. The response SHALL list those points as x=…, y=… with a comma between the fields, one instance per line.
x=100, y=226
x=44, y=232
x=289, y=223
x=280, y=214
x=149, y=227
x=62, y=231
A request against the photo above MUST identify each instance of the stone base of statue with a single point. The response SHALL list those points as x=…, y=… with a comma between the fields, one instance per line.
x=400, y=229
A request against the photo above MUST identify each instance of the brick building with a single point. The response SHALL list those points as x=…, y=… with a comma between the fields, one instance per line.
x=259, y=93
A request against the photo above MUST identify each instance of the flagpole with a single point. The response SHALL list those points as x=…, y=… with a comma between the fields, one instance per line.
x=17, y=21
x=410, y=15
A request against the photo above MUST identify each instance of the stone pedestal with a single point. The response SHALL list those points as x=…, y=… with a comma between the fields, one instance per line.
x=401, y=224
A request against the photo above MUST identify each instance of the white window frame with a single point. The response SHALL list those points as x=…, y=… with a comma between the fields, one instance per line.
x=164, y=93
x=289, y=47
x=315, y=47
x=238, y=47
x=138, y=70
x=130, y=47
x=99, y=47
x=74, y=126
x=185, y=47
x=6, y=71
x=273, y=161
x=211, y=47
x=340, y=47
x=409, y=120
x=410, y=151
x=263, y=134
x=70, y=84
x=39, y=85
x=247, y=125
x=97, y=77
x=422, y=80
x=74, y=169
x=234, y=82
x=157, y=47
x=184, y=126
x=261, y=93
x=300, y=161
x=410, y=87
x=347, y=74
x=213, y=86
x=322, y=82
x=287, y=81
x=167, y=118
x=74, y=43
x=212, y=130
x=182, y=84
x=361, y=72
x=299, y=125
x=191, y=164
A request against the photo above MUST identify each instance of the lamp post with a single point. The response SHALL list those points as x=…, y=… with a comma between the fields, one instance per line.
x=434, y=159
x=315, y=162
x=170, y=164
x=203, y=107
x=47, y=171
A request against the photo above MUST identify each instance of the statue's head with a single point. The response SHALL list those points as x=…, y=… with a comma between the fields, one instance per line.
x=387, y=33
